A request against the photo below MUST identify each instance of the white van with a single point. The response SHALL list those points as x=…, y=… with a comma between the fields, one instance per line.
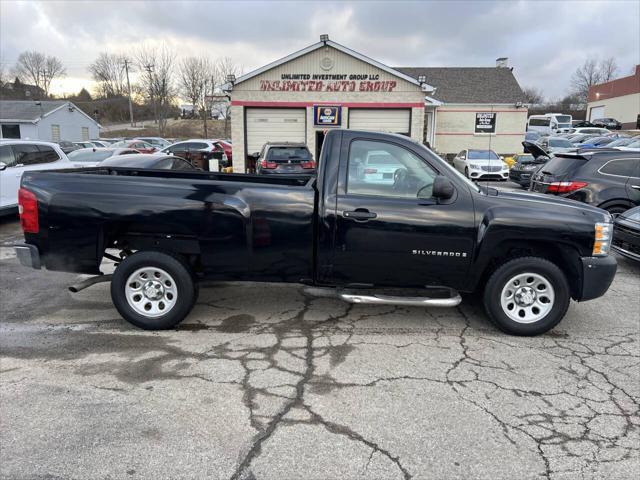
x=549, y=123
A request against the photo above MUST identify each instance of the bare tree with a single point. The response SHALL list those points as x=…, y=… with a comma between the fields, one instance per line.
x=38, y=69
x=608, y=69
x=157, y=66
x=533, y=95
x=109, y=74
x=592, y=73
x=196, y=79
x=226, y=67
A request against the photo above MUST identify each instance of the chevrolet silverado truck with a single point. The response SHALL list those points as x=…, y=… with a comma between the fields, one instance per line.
x=419, y=234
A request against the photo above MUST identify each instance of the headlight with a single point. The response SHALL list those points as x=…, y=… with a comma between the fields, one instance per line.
x=505, y=166
x=474, y=166
x=602, y=239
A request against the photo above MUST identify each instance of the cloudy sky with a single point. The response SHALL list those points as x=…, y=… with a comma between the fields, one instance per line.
x=545, y=41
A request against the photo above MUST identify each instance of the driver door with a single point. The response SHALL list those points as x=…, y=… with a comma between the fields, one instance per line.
x=390, y=231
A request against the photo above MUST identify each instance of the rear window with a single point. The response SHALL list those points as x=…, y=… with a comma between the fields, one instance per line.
x=526, y=159
x=563, y=165
x=539, y=122
x=482, y=155
x=560, y=143
x=288, y=153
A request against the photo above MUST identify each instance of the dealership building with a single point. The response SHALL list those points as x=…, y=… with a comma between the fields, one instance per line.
x=299, y=98
x=619, y=99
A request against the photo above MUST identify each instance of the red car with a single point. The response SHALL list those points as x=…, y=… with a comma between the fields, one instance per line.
x=142, y=147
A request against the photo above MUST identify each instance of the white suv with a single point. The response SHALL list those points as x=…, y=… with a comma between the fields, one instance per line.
x=19, y=156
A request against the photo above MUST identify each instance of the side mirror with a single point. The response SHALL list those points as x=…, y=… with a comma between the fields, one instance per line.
x=3, y=166
x=501, y=157
x=442, y=188
x=462, y=157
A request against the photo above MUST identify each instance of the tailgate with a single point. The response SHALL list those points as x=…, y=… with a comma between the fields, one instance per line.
x=558, y=169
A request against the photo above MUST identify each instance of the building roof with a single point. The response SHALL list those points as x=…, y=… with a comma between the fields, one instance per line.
x=30, y=111
x=483, y=85
x=337, y=46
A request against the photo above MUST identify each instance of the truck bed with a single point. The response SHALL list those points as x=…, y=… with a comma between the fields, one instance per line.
x=240, y=227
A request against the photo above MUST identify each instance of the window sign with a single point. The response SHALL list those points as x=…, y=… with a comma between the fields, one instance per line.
x=485, y=122
x=327, y=116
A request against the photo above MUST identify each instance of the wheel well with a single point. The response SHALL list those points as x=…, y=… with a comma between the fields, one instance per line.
x=619, y=202
x=564, y=256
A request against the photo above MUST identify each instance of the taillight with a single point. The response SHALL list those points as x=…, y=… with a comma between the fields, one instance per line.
x=267, y=165
x=309, y=164
x=565, y=187
x=28, y=209
x=369, y=171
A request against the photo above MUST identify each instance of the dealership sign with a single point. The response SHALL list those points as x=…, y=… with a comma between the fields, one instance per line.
x=354, y=82
x=485, y=123
x=327, y=115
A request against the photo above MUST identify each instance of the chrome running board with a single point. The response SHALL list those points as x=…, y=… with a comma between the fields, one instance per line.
x=379, y=299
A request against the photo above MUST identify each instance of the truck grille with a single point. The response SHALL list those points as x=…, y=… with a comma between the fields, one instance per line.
x=626, y=238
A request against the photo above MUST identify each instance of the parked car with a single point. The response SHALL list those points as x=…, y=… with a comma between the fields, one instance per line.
x=157, y=142
x=142, y=147
x=84, y=144
x=90, y=157
x=608, y=123
x=578, y=138
x=481, y=165
x=194, y=144
x=592, y=130
x=156, y=161
x=581, y=123
x=67, y=147
x=20, y=156
x=283, y=157
x=623, y=141
x=556, y=144
x=528, y=255
x=626, y=234
x=631, y=147
x=596, y=142
x=607, y=178
x=526, y=164
x=101, y=143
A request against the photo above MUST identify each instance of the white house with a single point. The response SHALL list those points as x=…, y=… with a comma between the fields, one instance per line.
x=48, y=120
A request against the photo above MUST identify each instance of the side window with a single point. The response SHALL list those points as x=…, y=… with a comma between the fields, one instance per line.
x=387, y=170
x=621, y=168
x=6, y=156
x=180, y=164
x=164, y=164
x=47, y=154
x=198, y=146
x=26, y=154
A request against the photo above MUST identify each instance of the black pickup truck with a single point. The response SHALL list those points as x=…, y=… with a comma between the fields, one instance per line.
x=409, y=230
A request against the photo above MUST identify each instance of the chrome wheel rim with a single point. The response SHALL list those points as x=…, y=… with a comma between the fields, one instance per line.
x=527, y=298
x=151, y=292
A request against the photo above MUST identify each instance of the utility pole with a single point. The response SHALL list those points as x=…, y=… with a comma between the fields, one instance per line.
x=126, y=68
x=205, y=113
x=149, y=69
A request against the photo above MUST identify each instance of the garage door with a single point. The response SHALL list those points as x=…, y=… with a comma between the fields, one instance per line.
x=385, y=120
x=274, y=125
x=596, y=113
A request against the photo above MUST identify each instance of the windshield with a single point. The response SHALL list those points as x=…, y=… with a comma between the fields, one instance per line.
x=621, y=142
x=560, y=143
x=482, y=155
x=635, y=144
x=89, y=155
x=564, y=120
x=526, y=159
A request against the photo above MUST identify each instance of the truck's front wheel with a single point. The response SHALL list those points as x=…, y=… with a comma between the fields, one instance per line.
x=153, y=290
x=527, y=296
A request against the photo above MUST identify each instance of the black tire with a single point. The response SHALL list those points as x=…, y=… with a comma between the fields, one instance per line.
x=466, y=172
x=616, y=210
x=176, y=267
x=502, y=275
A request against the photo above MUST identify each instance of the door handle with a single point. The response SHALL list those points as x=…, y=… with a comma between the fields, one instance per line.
x=360, y=214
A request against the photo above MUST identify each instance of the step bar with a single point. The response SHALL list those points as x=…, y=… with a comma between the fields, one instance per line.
x=380, y=299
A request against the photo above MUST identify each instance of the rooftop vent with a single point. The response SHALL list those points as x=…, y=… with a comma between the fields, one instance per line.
x=324, y=37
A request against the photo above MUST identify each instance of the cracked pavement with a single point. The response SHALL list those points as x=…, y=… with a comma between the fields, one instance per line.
x=266, y=382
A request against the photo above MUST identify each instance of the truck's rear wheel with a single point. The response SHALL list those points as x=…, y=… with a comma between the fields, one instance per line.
x=527, y=296
x=153, y=290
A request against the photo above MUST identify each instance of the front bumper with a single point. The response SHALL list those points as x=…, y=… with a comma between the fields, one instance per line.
x=28, y=255
x=597, y=275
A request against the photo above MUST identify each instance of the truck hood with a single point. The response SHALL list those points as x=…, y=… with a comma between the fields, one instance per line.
x=530, y=199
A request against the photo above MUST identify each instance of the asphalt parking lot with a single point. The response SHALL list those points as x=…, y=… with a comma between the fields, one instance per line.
x=265, y=382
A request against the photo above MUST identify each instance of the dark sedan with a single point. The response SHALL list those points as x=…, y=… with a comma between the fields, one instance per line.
x=608, y=123
x=526, y=164
x=626, y=234
x=150, y=161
